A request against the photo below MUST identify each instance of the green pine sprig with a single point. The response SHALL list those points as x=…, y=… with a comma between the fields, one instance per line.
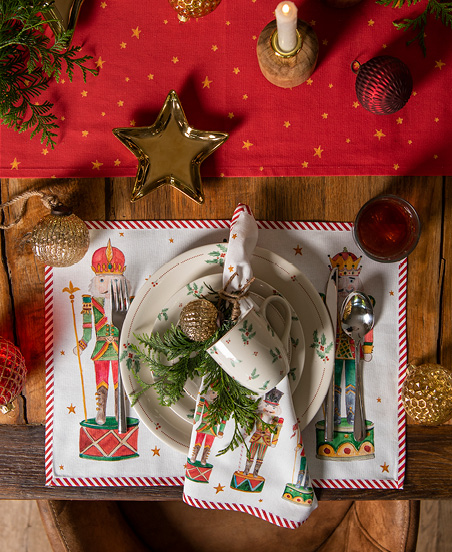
x=440, y=10
x=28, y=60
x=174, y=358
x=233, y=402
x=191, y=360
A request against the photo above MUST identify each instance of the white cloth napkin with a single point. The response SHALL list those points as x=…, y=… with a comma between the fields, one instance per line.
x=267, y=478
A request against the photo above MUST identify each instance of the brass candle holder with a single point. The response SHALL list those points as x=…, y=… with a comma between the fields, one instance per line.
x=287, y=69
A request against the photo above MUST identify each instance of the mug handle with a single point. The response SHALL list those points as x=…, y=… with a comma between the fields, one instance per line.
x=287, y=318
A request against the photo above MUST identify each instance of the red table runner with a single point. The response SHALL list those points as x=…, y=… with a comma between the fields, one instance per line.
x=315, y=129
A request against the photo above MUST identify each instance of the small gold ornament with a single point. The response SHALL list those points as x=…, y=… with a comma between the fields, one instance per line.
x=60, y=239
x=198, y=320
x=187, y=9
x=170, y=151
x=427, y=394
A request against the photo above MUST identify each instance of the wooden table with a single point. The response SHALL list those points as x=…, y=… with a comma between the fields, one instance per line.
x=429, y=449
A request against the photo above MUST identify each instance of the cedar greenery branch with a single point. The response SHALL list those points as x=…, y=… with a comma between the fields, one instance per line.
x=174, y=358
x=440, y=10
x=28, y=60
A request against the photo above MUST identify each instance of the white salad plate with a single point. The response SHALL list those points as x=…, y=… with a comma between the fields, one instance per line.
x=278, y=276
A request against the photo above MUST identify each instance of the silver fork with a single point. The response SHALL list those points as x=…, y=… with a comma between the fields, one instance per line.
x=119, y=306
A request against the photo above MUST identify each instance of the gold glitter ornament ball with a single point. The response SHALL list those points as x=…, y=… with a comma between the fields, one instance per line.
x=60, y=239
x=427, y=394
x=187, y=9
x=198, y=320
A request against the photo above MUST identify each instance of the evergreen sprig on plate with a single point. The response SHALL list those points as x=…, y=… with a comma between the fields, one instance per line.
x=28, y=60
x=174, y=358
x=159, y=352
x=440, y=10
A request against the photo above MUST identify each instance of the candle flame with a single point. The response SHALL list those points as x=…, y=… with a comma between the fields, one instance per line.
x=286, y=9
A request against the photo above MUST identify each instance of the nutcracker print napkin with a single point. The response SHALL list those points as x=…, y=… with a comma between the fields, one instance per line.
x=267, y=474
x=80, y=452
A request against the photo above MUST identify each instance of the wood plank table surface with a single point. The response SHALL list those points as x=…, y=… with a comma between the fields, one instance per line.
x=429, y=319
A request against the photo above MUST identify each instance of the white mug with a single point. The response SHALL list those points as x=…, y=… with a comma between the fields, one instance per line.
x=252, y=353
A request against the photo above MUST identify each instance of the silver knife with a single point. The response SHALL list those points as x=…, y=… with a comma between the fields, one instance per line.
x=331, y=305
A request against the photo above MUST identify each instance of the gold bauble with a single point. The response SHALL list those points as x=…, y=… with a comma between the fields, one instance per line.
x=198, y=320
x=427, y=394
x=187, y=9
x=60, y=239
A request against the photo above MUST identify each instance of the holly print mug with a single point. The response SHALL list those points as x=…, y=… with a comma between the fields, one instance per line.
x=251, y=352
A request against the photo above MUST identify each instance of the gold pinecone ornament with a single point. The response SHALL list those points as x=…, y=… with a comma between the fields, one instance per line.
x=60, y=238
x=198, y=320
x=427, y=394
x=187, y=9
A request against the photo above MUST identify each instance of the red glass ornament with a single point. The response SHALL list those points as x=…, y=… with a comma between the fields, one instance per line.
x=383, y=84
x=12, y=374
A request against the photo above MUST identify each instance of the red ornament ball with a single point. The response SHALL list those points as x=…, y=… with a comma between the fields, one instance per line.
x=383, y=84
x=12, y=373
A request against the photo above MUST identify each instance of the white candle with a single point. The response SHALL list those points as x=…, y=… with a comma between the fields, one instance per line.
x=286, y=24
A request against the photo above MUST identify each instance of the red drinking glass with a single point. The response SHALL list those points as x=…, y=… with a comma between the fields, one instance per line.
x=387, y=228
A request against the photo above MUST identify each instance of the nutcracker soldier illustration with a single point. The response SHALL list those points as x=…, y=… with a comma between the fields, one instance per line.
x=99, y=436
x=205, y=435
x=263, y=437
x=108, y=263
x=344, y=446
x=301, y=492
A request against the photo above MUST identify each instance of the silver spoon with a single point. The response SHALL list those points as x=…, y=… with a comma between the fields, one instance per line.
x=357, y=319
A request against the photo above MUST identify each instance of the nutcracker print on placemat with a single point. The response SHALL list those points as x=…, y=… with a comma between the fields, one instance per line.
x=99, y=436
x=265, y=435
x=300, y=492
x=344, y=446
x=200, y=470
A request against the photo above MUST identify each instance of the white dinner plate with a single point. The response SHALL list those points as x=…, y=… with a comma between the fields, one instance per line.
x=259, y=290
x=198, y=263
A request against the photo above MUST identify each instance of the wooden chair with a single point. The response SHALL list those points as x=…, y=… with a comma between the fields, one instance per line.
x=335, y=526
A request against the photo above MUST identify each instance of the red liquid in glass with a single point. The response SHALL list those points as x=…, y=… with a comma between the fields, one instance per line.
x=386, y=229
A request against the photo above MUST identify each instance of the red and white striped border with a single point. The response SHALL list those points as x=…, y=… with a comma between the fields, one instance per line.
x=401, y=418
x=381, y=484
x=116, y=481
x=213, y=225
x=170, y=481
x=48, y=338
x=257, y=512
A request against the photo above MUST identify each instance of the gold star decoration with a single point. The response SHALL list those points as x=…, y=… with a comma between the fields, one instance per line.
x=170, y=151
x=318, y=151
x=63, y=15
x=219, y=488
x=379, y=134
x=155, y=451
x=297, y=250
x=384, y=468
x=71, y=409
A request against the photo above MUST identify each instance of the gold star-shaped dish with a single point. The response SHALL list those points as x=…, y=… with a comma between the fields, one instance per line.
x=170, y=151
x=63, y=14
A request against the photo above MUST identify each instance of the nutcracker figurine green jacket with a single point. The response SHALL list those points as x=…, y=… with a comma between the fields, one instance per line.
x=107, y=335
